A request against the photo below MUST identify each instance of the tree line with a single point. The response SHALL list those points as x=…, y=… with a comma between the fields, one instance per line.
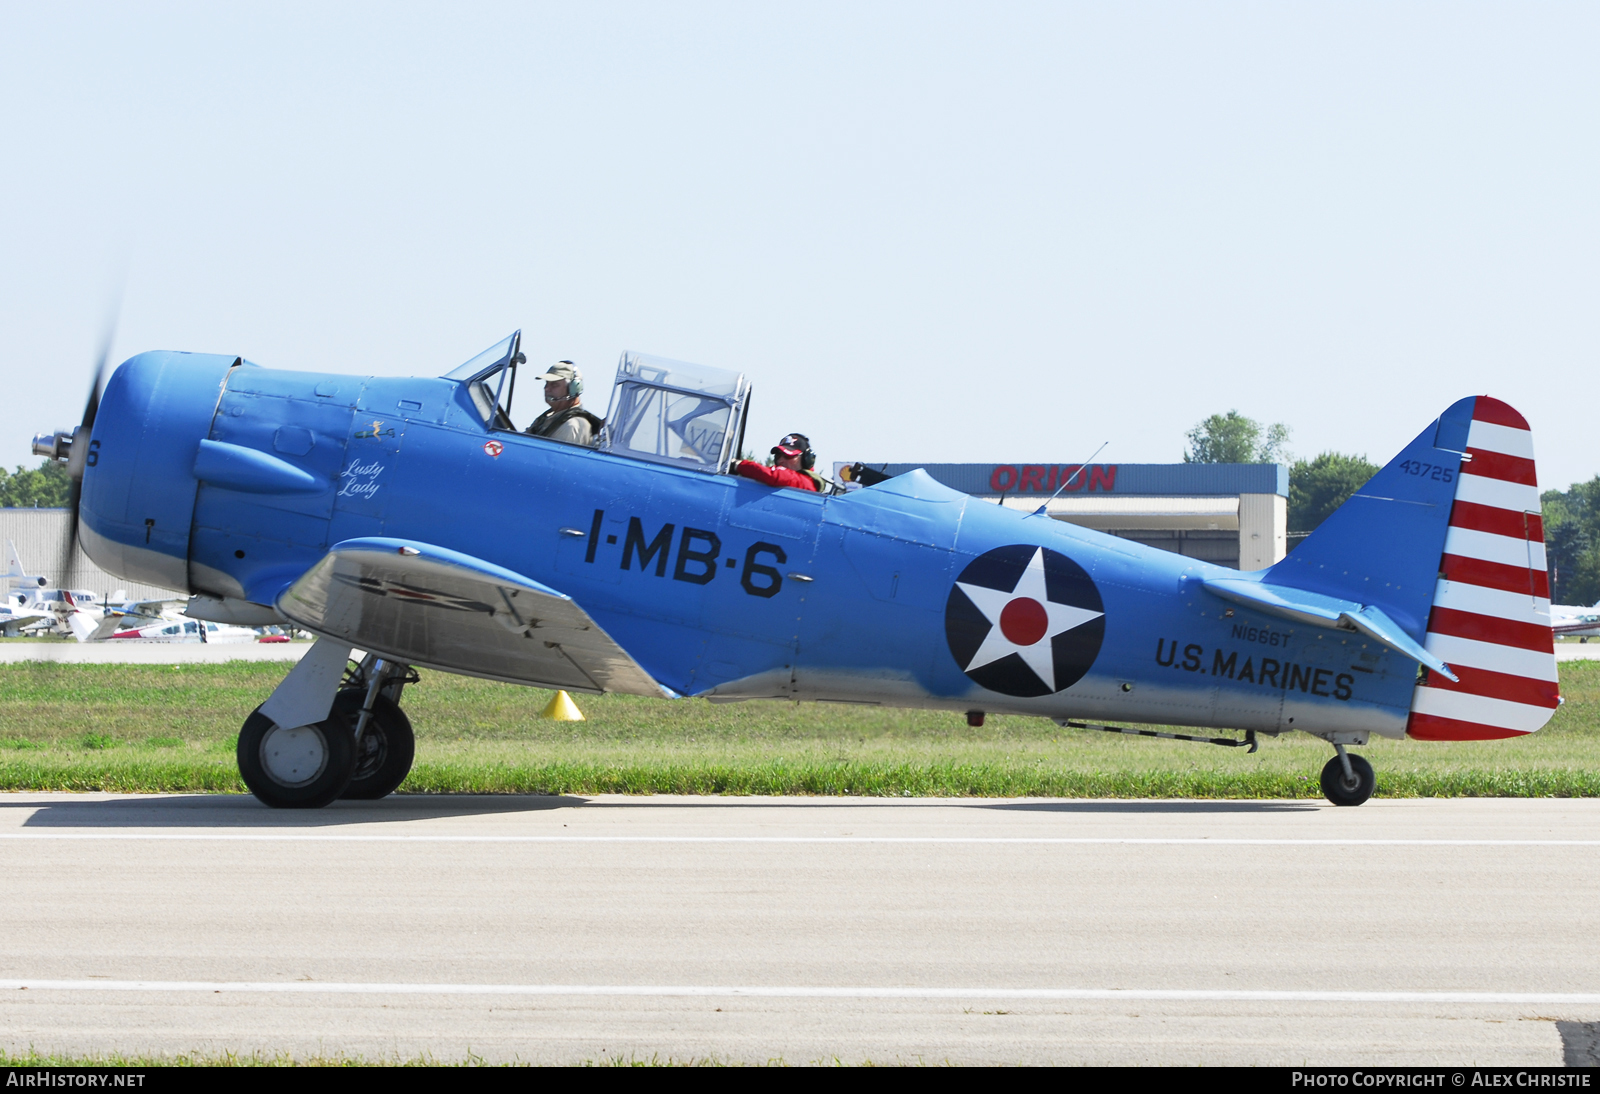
x=1572, y=542
x=42, y=487
x=1319, y=486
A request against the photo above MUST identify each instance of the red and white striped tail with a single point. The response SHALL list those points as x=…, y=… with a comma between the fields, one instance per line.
x=1491, y=609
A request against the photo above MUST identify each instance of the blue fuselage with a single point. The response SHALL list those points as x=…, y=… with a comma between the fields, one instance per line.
x=716, y=585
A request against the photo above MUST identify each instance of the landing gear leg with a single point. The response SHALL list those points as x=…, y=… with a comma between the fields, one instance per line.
x=384, y=743
x=1347, y=779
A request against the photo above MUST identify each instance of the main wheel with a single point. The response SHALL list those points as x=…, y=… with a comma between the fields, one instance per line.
x=1342, y=791
x=298, y=767
x=386, y=748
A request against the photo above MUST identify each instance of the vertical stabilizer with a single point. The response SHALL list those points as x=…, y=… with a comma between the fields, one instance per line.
x=14, y=571
x=1382, y=546
x=1490, y=618
x=17, y=577
x=80, y=626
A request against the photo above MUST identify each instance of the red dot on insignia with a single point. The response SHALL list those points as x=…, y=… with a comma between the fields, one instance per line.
x=1024, y=621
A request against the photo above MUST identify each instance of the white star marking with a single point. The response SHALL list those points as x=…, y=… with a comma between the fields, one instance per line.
x=991, y=602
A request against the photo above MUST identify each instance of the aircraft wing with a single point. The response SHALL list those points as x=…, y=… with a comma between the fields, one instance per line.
x=23, y=617
x=108, y=625
x=437, y=608
x=151, y=609
x=1582, y=621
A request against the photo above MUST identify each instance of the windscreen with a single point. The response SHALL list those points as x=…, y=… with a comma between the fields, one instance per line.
x=487, y=375
x=491, y=356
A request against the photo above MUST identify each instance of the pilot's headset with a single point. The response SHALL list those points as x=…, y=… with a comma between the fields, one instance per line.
x=800, y=442
x=575, y=382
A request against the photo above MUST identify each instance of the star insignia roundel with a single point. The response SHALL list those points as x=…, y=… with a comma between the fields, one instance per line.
x=1024, y=621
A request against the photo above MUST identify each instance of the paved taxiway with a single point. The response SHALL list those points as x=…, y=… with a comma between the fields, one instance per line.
x=130, y=652
x=549, y=929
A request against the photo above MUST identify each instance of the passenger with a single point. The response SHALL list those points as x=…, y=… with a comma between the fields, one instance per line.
x=565, y=421
x=792, y=461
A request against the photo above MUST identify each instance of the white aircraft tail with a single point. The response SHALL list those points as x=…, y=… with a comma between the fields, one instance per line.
x=81, y=625
x=16, y=575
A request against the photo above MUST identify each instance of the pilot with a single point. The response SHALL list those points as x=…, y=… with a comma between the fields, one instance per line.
x=792, y=461
x=566, y=421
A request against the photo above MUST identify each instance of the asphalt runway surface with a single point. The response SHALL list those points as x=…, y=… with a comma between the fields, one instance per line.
x=804, y=930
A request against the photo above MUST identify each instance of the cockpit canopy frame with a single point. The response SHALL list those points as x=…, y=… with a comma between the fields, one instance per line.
x=662, y=411
x=676, y=413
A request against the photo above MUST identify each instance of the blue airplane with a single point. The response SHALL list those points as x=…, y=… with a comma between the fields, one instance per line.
x=410, y=519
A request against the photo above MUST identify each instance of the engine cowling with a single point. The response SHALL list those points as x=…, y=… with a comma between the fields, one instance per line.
x=137, y=508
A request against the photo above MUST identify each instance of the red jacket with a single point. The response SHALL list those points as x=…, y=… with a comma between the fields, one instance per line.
x=774, y=476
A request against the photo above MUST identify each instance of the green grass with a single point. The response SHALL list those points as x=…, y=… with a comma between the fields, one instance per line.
x=172, y=728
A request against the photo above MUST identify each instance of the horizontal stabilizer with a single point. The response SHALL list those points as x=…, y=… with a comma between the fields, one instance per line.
x=1318, y=610
x=437, y=608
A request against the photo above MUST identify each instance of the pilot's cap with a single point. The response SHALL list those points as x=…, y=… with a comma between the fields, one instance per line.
x=795, y=444
x=561, y=370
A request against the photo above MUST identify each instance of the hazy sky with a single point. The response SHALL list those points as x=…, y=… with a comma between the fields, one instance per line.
x=928, y=232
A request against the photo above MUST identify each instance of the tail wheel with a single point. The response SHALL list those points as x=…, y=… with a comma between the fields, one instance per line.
x=1345, y=790
x=295, y=767
x=383, y=755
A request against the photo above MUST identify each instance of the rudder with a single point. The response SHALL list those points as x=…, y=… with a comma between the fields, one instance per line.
x=1490, y=617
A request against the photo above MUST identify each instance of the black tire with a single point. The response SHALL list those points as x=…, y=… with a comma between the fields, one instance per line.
x=305, y=767
x=1341, y=792
x=383, y=755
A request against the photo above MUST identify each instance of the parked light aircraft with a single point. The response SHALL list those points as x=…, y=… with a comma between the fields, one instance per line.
x=1575, y=622
x=20, y=586
x=409, y=518
x=33, y=608
x=124, y=614
x=171, y=629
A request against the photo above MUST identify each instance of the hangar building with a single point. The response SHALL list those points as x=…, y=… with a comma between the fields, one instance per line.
x=40, y=536
x=1232, y=514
